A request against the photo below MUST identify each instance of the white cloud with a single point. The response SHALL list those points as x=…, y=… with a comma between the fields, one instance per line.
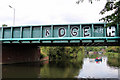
x=37, y=12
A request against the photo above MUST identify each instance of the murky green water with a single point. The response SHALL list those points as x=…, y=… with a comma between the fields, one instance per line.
x=88, y=68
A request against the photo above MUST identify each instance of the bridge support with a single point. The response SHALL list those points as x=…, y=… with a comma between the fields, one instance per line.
x=20, y=53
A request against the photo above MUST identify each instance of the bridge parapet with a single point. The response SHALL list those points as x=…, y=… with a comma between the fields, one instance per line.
x=63, y=33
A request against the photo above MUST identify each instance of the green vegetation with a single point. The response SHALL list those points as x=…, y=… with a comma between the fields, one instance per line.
x=64, y=60
x=60, y=69
x=4, y=25
x=76, y=54
x=92, y=48
x=113, y=53
x=63, y=53
x=115, y=49
x=93, y=56
x=113, y=59
x=114, y=17
x=44, y=52
x=42, y=55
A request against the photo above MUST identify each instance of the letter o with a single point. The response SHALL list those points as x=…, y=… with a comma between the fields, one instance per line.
x=60, y=32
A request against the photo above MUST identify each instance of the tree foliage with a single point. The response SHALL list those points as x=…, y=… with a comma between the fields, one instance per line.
x=91, y=1
x=113, y=18
x=111, y=5
x=63, y=53
x=4, y=25
x=98, y=48
x=113, y=49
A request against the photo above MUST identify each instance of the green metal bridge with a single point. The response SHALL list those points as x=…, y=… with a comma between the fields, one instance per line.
x=62, y=34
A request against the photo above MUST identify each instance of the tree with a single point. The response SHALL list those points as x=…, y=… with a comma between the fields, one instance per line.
x=91, y=1
x=111, y=5
x=4, y=25
x=114, y=18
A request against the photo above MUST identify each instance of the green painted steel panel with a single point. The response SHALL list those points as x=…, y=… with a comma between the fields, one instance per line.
x=26, y=32
x=35, y=41
x=46, y=41
x=118, y=30
x=52, y=31
x=86, y=31
x=64, y=38
x=15, y=41
x=72, y=33
x=92, y=31
x=7, y=33
x=111, y=31
x=104, y=32
x=21, y=29
x=0, y=32
x=86, y=40
x=111, y=40
x=25, y=41
x=98, y=31
x=99, y=41
x=60, y=31
x=75, y=41
x=36, y=32
x=68, y=30
x=6, y=42
x=60, y=41
x=75, y=31
x=46, y=31
x=16, y=32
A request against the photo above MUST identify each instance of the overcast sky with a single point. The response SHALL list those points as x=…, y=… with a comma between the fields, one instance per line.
x=38, y=12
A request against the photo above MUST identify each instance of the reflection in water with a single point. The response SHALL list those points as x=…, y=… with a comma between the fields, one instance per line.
x=97, y=70
x=60, y=70
x=23, y=70
x=42, y=70
x=89, y=68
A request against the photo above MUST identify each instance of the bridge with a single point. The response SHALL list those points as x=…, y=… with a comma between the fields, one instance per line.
x=63, y=34
x=20, y=43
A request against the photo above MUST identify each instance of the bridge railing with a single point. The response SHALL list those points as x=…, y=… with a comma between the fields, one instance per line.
x=63, y=33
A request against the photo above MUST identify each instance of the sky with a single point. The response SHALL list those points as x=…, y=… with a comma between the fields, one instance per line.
x=45, y=12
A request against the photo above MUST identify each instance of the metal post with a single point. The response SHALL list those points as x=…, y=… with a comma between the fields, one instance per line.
x=52, y=31
x=92, y=31
x=104, y=30
x=31, y=32
x=13, y=15
x=69, y=31
x=80, y=30
x=11, y=32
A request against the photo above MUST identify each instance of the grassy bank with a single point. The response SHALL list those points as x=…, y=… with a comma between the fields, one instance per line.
x=113, y=59
x=112, y=54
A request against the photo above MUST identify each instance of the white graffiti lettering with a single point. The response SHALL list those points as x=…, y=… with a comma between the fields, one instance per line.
x=111, y=31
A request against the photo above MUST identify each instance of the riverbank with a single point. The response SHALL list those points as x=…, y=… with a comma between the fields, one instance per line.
x=113, y=59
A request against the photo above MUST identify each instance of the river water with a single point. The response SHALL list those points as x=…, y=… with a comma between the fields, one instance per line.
x=88, y=68
x=92, y=69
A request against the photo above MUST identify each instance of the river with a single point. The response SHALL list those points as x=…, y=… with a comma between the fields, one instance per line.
x=88, y=68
